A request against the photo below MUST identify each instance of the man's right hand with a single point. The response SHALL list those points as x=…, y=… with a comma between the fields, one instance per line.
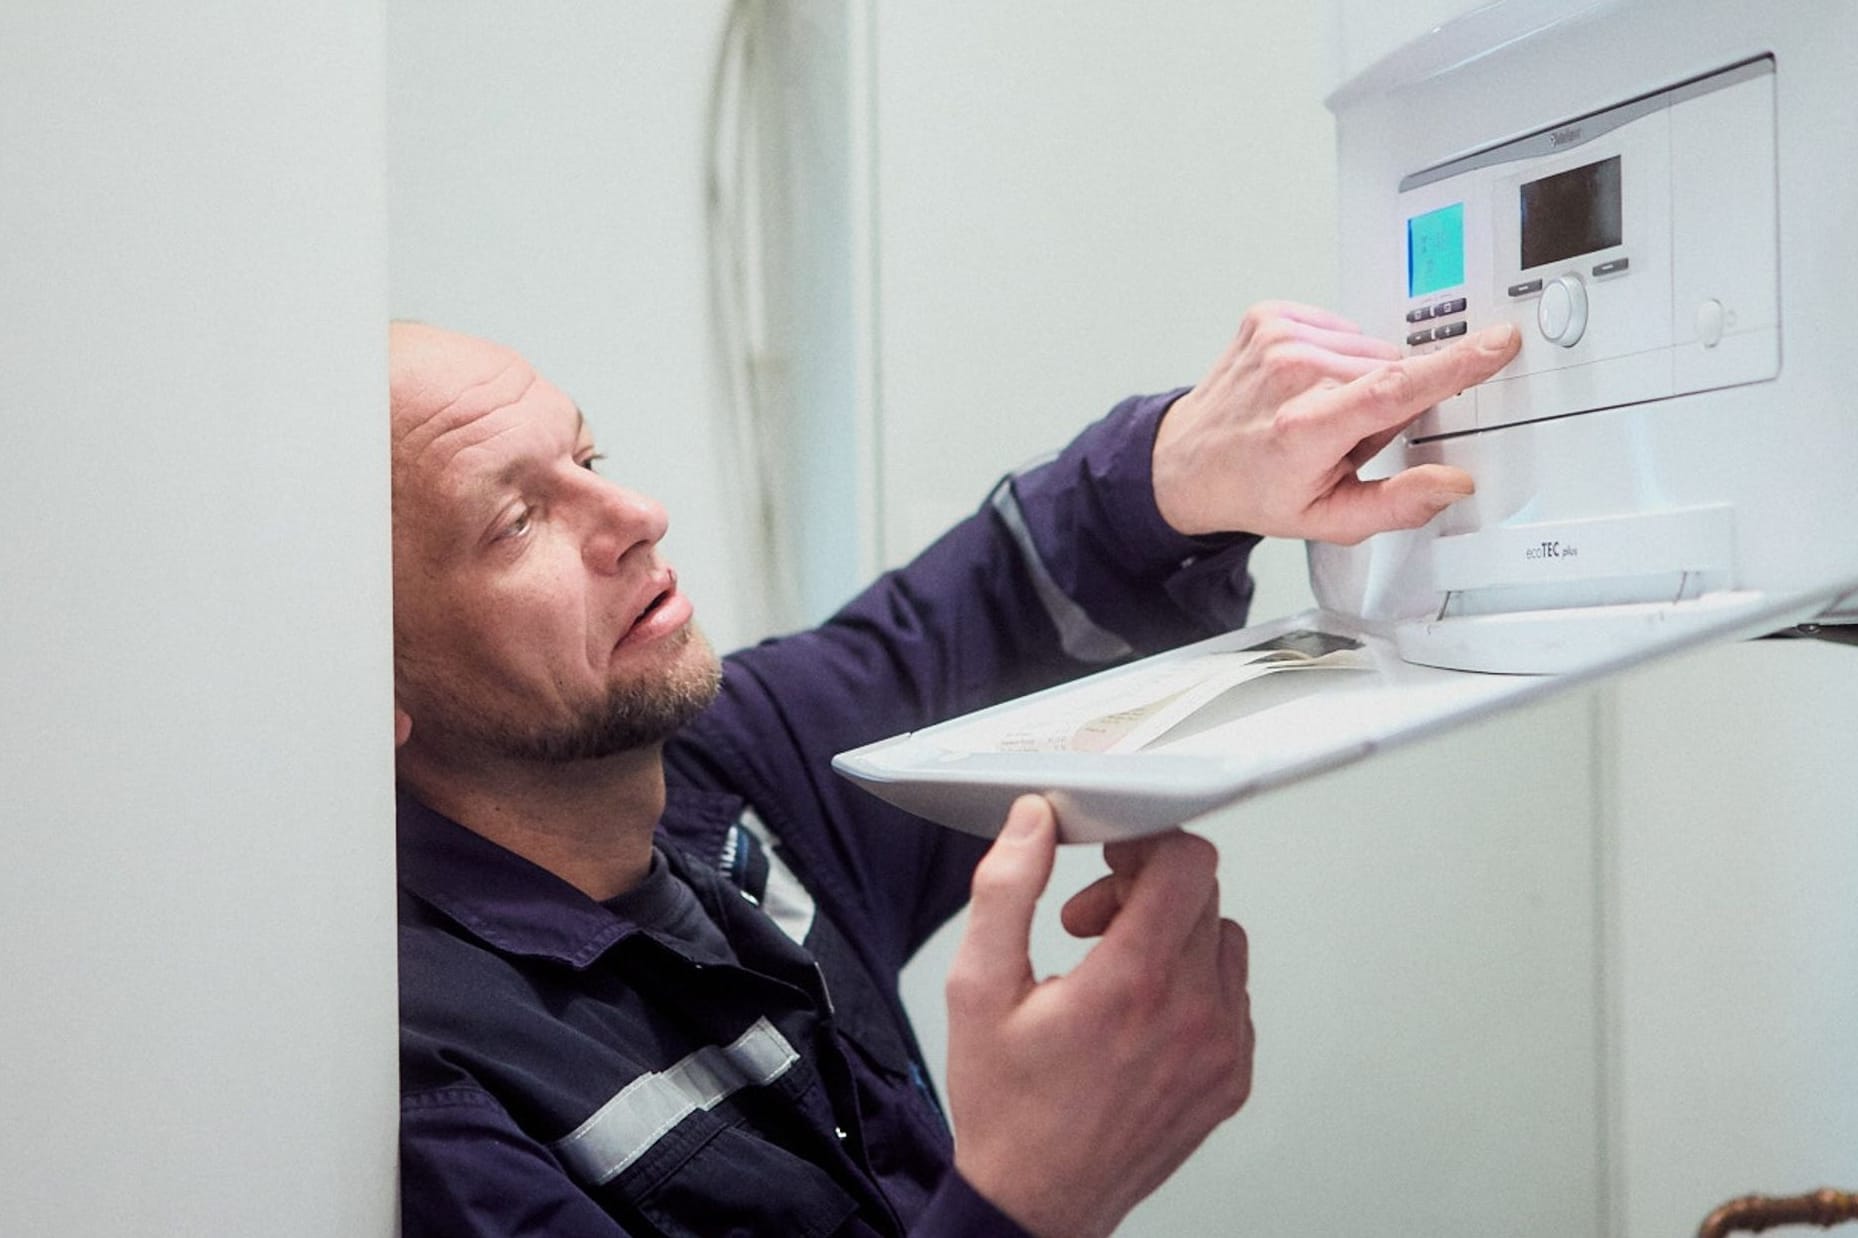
x=1270, y=440
x=1076, y=1096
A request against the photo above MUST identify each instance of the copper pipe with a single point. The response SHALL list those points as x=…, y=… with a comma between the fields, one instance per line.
x=1754, y=1213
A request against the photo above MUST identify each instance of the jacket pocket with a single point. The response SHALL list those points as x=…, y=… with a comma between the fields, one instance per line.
x=735, y=1183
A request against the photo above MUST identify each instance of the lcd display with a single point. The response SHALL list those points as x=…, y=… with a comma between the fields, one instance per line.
x=1570, y=213
x=1435, y=250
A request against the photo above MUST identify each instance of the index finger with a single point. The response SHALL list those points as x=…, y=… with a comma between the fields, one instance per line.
x=1310, y=315
x=1395, y=394
x=1172, y=878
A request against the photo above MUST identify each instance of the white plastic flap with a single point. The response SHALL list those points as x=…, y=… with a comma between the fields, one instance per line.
x=1147, y=746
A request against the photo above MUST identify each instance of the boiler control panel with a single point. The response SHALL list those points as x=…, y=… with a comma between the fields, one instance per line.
x=1635, y=247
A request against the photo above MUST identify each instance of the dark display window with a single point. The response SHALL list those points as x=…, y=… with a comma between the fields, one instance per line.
x=1570, y=213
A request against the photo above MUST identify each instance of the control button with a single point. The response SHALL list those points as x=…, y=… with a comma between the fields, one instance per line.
x=1449, y=307
x=1710, y=322
x=1419, y=315
x=1451, y=330
x=1524, y=289
x=1612, y=268
x=1562, y=311
x=1420, y=337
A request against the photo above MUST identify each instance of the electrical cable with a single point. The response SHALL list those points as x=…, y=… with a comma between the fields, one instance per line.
x=756, y=467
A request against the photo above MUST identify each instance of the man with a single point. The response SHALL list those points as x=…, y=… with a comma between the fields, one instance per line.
x=650, y=944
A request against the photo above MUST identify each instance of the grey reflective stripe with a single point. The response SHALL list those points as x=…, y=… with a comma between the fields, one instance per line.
x=1078, y=634
x=785, y=900
x=645, y=1110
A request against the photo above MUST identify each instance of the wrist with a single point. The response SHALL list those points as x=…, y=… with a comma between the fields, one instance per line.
x=1170, y=468
x=1037, y=1206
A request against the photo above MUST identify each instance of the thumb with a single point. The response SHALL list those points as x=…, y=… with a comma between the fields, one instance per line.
x=994, y=960
x=1358, y=509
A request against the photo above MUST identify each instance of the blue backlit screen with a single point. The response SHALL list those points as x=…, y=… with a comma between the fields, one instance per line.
x=1435, y=250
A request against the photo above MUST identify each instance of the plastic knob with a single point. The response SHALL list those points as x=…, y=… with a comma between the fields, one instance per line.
x=1562, y=312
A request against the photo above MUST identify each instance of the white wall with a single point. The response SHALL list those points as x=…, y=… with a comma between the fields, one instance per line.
x=196, y=992
x=1076, y=201
x=1733, y=979
x=545, y=179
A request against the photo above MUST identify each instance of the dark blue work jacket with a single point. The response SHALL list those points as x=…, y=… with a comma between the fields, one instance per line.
x=566, y=1072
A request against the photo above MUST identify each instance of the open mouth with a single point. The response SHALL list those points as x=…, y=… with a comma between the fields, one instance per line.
x=664, y=612
x=652, y=608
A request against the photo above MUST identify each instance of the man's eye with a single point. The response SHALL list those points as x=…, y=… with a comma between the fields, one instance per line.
x=592, y=460
x=519, y=527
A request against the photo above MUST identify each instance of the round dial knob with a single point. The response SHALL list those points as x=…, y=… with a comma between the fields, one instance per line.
x=1562, y=311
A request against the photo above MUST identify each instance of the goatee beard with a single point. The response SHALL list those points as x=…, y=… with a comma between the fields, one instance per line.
x=630, y=718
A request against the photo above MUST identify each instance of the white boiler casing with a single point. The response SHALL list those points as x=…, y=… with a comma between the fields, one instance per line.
x=1659, y=194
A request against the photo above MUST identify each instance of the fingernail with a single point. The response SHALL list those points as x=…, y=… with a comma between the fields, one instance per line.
x=1021, y=819
x=1497, y=338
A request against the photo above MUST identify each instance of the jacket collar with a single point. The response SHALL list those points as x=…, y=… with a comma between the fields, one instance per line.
x=519, y=907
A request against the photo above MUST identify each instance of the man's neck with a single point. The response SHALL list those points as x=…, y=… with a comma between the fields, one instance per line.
x=588, y=822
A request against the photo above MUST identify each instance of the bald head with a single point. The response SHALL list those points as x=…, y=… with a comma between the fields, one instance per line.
x=417, y=354
x=439, y=380
x=533, y=616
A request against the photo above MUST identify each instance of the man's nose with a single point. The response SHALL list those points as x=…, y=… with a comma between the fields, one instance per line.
x=622, y=520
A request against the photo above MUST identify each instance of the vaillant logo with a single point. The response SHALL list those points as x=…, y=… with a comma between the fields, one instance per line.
x=1565, y=137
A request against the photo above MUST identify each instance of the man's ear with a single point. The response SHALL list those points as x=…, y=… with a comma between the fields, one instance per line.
x=403, y=726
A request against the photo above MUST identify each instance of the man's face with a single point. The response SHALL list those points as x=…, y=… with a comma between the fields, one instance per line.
x=533, y=617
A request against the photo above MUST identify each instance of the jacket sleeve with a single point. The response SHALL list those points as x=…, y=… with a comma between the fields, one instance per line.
x=957, y=1210
x=1067, y=568
x=467, y=1171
